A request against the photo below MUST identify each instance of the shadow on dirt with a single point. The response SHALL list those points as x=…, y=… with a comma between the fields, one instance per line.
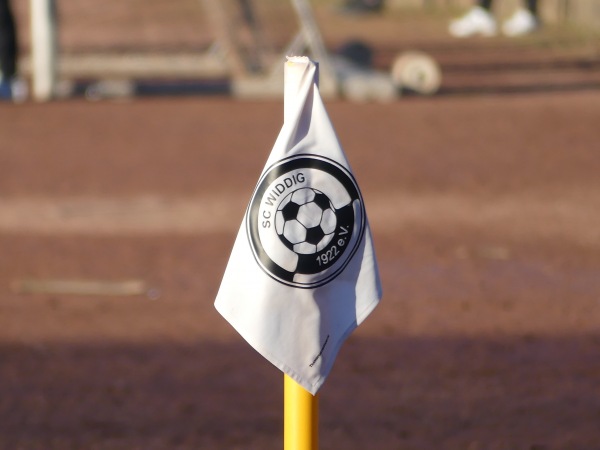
x=415, y=393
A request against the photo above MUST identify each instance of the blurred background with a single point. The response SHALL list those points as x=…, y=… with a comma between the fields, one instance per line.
x=208, y=47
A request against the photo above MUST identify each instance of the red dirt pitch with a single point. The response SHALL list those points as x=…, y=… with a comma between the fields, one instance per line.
x=484, y=203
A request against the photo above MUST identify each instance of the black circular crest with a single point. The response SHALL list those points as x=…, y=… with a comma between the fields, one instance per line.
x=305, y=220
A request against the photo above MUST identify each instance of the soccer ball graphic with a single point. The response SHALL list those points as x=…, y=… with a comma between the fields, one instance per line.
x=305, y=221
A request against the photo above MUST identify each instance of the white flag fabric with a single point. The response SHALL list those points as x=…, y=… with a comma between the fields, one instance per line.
x=302, y=273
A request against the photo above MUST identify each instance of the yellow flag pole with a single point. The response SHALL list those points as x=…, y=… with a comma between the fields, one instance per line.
x=300, y=407
x=300, y=417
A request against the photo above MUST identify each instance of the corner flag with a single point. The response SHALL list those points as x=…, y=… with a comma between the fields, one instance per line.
x=302, y=273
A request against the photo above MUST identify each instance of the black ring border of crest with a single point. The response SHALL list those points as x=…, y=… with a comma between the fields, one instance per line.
x=299, y=161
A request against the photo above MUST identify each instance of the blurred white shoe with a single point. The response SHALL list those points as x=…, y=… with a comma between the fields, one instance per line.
x=477, y=21
x=522, y=22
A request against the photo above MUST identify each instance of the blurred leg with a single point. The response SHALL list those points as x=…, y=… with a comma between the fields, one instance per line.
x=532, y=5
x=8, y=41
x=486, y=4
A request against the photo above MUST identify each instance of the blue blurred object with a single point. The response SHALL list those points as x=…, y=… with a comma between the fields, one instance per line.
x=358, y=52
x=5, y=90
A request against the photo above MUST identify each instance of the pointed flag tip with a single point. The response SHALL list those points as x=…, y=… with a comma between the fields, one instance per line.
x=304, y=60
